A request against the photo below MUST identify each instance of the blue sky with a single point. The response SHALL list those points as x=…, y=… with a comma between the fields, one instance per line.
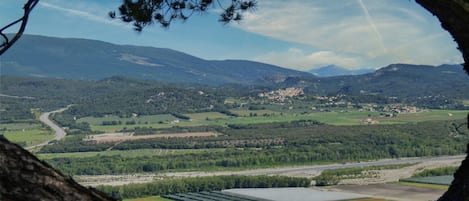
x=295, y=34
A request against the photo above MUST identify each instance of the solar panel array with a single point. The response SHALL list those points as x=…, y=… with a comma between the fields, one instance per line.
x=210, y=196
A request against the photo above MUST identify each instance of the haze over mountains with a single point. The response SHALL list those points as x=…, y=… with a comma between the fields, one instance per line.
x=333, y=70
x=41, y=56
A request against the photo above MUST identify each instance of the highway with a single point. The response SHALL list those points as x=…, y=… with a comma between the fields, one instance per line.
x=59, y=132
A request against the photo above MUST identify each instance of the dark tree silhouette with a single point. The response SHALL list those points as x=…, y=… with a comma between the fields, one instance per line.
x=453, y=14
x=8, y=42
x=146, y=12
x=454, y=17
x=143, y=13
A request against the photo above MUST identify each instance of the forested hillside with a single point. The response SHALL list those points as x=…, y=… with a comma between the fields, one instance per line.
x=396, y=84
x=409, y=83
x=83, y=59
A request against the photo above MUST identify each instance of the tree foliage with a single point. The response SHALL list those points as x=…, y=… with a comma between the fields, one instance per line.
x=146, y=12
x=257, y=146
x=8, y=42
x=198, y=184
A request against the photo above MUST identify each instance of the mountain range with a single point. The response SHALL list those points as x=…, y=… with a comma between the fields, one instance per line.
x=82, y=59
x=395, y=80
x=93, y=60
x=333, y=70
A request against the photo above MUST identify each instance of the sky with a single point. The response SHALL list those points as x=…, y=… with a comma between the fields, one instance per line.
x=296, y=34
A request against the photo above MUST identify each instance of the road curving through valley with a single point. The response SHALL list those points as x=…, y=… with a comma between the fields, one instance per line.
x=59, y=131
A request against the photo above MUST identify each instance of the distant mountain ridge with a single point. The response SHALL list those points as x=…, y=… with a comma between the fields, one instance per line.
x=395, y=80
x=83, y=59
x=67, y=58
x=333, y=70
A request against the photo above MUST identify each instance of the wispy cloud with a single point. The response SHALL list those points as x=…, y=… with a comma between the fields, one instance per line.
x=372, y=24
x=83, y=14
x=298, y=59
x=378, y=32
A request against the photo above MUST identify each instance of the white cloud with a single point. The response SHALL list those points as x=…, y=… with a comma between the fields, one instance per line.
x=88, y=14
x=377, y=31
x=296, y=59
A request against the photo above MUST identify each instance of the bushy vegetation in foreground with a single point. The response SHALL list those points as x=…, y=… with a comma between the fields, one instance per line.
x=443, y=171
x=333, y=177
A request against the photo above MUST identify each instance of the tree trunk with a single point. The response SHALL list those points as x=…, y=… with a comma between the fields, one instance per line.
x=24, y=177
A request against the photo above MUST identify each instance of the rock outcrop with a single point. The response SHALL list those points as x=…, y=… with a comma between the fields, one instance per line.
x=25, y=177
x=454, y=17
x=459, y=189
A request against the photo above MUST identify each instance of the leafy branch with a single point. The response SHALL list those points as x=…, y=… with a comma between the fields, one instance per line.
x=146, y=12
x=7, y=42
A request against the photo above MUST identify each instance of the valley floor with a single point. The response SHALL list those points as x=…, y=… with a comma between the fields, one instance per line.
x=383, y=176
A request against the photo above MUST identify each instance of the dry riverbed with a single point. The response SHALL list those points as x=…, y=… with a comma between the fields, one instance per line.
x=382, y=176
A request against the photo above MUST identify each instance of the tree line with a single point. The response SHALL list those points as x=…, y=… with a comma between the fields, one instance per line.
x=197, y=184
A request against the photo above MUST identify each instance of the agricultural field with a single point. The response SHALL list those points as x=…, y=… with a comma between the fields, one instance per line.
x=115, y=123
x=423, y=185
x=346, y=118
x=438, y=180
x=120, y=137
x=151, y=119
x=361, y=118
x=129, y=153
x=26, y=134
x=248, y=113
x=202, y=116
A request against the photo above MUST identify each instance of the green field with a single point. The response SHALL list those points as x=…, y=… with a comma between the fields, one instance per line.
x=351, y=118
x=128, y=153
x=215, y=118
x=206, y=115
x=18, y=126
x=256, y=112
x=26, y=134
x=114, y=128
x=154, y=121
x=422, y=185
x=148, y=119
x=358, y=118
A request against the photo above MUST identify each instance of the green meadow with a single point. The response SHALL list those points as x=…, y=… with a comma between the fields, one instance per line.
x=345, y=118
x=26, y=134
x=128, y=153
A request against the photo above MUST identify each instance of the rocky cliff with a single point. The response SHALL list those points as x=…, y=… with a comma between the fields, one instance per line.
x=454, y=17
x=25, y=177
